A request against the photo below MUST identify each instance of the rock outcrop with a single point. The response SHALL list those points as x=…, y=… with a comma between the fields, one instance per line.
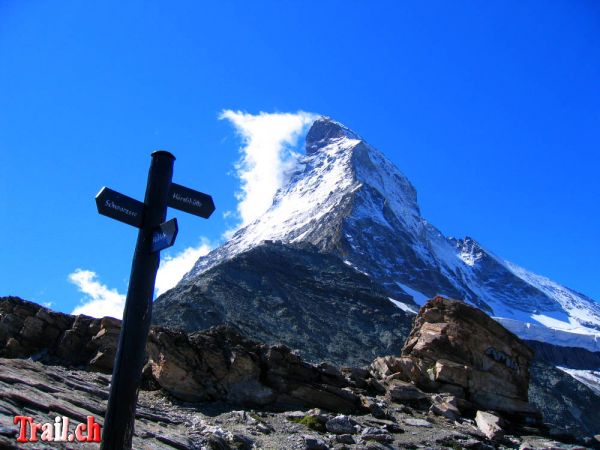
x=457, y=349
x=30, y=330
x=568, y=406
x=220, y=365
x=572, y=357
x=44, y=392
x=217, y=365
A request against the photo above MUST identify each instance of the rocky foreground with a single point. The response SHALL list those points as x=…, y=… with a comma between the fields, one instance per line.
x=460, y=382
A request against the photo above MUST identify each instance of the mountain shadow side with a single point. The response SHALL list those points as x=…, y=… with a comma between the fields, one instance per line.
x=293, y=294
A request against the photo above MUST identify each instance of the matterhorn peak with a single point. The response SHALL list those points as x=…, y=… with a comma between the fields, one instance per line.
x=347, y=199
x=326, y=129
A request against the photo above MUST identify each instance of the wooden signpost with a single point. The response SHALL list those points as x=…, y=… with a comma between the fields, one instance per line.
x=154, y=235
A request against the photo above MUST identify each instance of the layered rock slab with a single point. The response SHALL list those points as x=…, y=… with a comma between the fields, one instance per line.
x=458, y=349
x=44, y=392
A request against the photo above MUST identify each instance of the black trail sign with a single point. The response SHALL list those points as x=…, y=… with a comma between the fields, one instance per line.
x=164, y=236
x=190, y=201
x=118, y=206
x=154, y=235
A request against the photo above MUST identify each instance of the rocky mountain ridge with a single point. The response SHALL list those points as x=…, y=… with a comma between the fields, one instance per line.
x=293, y=294
x=194, y=386
x=572, y=357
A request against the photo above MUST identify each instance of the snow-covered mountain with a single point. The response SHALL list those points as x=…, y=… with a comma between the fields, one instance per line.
x=348, y=199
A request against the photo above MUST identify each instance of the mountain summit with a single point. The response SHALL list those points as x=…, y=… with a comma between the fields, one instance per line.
x=348, y=200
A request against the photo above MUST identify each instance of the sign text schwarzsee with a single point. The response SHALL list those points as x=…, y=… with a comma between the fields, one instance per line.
x=113, y=205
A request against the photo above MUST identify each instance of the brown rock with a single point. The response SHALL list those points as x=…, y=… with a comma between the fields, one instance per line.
x=453, y=344
x=384, y=366
x=13, y=348
x=175, y=366
x=402, y=392
x=356, y=376
x=456, y=391
x=450, y=372
x=103, y=361
x=446, y=406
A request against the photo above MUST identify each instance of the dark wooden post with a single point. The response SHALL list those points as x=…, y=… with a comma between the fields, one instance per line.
x=129, y=361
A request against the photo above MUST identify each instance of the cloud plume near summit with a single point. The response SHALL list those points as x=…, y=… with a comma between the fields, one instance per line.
x=267, y=157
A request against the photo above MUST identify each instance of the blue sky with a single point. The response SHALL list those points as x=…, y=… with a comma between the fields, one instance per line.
x=492, y=109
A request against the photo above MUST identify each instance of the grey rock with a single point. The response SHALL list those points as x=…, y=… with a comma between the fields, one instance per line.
x=163, y=423
x=264, y=428
x=564, y=402
x=320, y=306
x=376, y=434
x=340, y=425
x=474, y=444
x=314, y=443
x=417, y=423
x=375, y=407
x=44, y=391
x=345, y=439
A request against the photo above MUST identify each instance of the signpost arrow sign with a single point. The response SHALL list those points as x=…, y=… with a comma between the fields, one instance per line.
x=190, y=201
x=118, y=206
x=164, y=236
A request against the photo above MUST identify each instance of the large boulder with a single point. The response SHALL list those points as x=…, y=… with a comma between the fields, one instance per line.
x=458, y=349
x=456, y=344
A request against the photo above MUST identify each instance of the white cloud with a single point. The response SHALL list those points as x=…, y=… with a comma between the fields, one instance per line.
x=173, y=268
x=100, y=301
x=267, y=156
